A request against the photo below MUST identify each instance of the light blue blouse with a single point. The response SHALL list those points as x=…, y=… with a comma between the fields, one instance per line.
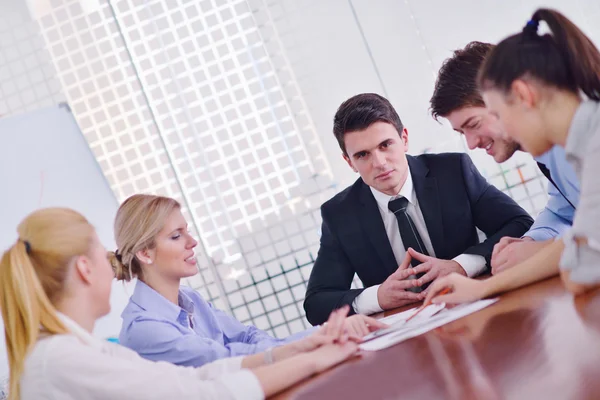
x=192, y=333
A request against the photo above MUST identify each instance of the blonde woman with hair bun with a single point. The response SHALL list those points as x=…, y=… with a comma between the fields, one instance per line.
x=55, y=282
x=165, y=321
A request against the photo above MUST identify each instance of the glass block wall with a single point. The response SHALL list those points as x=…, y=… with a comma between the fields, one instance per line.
x=27, y=75
x=180, y=98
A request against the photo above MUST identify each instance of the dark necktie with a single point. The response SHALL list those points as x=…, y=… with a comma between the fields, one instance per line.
x=408, y=231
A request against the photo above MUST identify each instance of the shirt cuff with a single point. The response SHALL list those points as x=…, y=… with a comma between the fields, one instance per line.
x=244, y=385
x=473, y=264
x=581, y=260
x=366, y=302
x=541, y=234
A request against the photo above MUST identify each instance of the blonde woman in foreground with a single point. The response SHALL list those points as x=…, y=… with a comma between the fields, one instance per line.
x=55, y=282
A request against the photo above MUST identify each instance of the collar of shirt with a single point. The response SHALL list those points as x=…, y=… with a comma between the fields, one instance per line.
x=84, y=336
x=149, y=299
x=548, y=157
x=407, y=191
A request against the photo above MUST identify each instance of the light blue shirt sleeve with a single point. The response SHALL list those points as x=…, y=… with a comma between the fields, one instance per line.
x=160, y=341
x=558, y=215
x=554, y=220
x=236, y=331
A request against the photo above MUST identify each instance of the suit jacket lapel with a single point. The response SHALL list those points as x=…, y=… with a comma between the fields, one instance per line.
x=372, y=223
x=427, y=193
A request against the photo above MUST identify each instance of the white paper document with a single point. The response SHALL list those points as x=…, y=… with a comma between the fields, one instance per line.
x=433, y=316
x=397, y=321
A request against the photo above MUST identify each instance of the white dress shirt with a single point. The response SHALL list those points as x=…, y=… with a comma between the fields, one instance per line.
x=583, y=148
x=79, y=366
x=366, y=302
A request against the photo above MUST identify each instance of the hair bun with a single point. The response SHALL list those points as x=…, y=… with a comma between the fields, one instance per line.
x=531, y=27
x=118, y=256
x=121, y=271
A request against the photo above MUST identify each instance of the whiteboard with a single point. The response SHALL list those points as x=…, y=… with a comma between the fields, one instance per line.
x=45, y=161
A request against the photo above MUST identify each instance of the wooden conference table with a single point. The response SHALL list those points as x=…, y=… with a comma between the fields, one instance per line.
x=538, y=342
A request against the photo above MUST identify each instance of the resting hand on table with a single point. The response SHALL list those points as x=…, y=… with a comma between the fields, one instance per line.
x=341, y=335
x=360, y=325
x=510, y=251
x=337, y=339
x=462, y=290
x=340, y=329
x=393, y=292
x=283, y=366
x=329, y=355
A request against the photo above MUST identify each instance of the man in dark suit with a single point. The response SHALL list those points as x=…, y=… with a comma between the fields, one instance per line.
x=429, y=205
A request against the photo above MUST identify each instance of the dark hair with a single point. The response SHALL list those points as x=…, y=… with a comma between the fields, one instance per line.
x=566, y=59
x=456, y=84
x=361, y=111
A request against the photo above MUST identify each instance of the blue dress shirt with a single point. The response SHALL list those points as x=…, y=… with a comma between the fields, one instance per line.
x=558, y=214
x=191, y=334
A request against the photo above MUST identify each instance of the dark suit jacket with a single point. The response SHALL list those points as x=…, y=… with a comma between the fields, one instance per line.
x=454, y=199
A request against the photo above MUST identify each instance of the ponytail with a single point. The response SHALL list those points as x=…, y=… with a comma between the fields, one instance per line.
x=566, y=59
x=25, y=307
x=32, y=276
x=581, y=57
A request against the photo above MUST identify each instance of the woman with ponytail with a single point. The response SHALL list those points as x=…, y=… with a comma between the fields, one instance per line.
x=55, y=282
x=165, y=321
x=545, y=89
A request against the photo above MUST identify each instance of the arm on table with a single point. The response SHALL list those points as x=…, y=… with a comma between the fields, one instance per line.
x=274, y=378
x=541, y=266
x=316, y=353
x=245, y=334
x=338, y=329
x=576, y=287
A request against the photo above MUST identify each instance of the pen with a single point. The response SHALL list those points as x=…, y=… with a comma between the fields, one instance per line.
x=445, y=291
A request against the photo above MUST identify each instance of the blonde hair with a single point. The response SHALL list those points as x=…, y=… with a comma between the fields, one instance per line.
x=139, y=220
x=32, y=276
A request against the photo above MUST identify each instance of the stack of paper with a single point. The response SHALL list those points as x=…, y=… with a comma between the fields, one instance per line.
x=431, y=317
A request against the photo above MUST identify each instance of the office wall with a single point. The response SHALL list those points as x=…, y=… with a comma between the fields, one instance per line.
x=27, y=75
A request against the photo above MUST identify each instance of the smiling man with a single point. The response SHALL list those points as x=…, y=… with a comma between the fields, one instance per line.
x=457, y=98
x=431, y=204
